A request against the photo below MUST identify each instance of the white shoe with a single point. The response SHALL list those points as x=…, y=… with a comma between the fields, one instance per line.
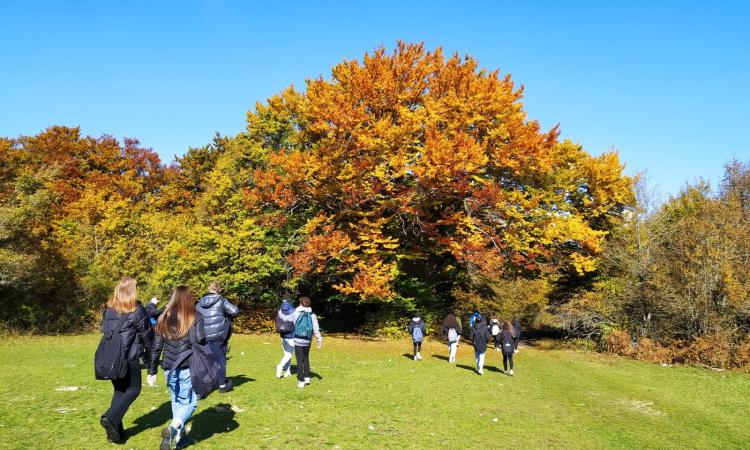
x=419, y=355
x=480, y=372
x=307, y=380
x=511, y=372
x=515, y=351
x=279, y=369
x=300, y=384
x=287, y=374
x=415, y=357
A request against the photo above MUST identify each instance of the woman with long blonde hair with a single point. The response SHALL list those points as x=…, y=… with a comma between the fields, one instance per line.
x=125, y=316
x=178, y=328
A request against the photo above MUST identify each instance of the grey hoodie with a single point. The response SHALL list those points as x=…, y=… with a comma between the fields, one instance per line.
x=316, y=329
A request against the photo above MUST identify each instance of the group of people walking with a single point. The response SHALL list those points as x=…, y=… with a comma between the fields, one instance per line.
x=505, y=336
x=190, y=341
x=169, y=337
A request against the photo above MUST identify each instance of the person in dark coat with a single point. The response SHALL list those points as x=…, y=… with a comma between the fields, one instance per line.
x=217, y=314
x=507, y=343
x=179, y=327
x=451, y=323
x=479, y=336
x=125, y=313
x=417, y=330
x=516, y=333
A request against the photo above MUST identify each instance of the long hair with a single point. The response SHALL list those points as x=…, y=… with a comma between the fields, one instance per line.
x=125, y=297
x=178, y=316
x=450, y=321
x=509, y=328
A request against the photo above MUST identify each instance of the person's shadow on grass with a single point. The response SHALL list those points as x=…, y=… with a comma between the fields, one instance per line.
x=151, y=419
x=474, y=369
x=214, y=420
x=408, y=356
x=444, y=358
x=239, y=380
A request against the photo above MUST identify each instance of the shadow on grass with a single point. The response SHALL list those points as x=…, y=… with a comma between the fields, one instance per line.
x=408, y=356
x=444, y=358
x=474, y=369
x=214, y=420
x=239, y=380
x=151, y=419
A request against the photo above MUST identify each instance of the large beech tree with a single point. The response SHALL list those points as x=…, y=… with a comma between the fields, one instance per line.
x=410, y=156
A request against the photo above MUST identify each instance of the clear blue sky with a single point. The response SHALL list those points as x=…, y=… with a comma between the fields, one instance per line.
x=668, y=86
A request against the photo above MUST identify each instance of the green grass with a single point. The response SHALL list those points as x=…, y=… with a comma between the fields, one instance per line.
x=371, y=396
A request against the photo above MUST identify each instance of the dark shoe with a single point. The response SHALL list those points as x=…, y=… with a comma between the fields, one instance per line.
x=183, y=440
x=167, y=436
x=226, y=387
x=113, y=435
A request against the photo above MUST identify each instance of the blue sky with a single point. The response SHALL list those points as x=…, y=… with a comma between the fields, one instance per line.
x=667, y=85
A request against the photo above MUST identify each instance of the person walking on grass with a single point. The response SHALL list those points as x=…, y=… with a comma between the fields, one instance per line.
x=473, y=317
x=417, y=330
x=507, y=343
x=285, y=328
x=495, y=332
x=125, y=328
x=479, y=336
x=516, y=333
x=305, y=327
x=179, y=327
x=217, y=314
x=451, y=328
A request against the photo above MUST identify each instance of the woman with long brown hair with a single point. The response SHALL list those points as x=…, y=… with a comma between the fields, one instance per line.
x=125, y=316
x=507, y=338
x=178, y=328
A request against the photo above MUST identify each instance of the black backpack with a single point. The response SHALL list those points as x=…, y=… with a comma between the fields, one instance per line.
x=109, y=360
x=205, y=367
x=283, y=326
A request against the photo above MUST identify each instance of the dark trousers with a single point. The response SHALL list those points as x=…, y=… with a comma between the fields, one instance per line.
x=126, y=391
x=516, y=340
x=506, y=359
x=417, y=347
x=303, y=361
x=496, y=338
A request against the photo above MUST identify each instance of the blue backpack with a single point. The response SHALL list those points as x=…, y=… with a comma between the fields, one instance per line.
x=416, y=334
x=303, y=327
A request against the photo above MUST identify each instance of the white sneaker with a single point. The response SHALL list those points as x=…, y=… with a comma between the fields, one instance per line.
x=415, y=357
x=511, y=372
x=515, y=351
x=300, y=384
x=419, y=356
x=287, y=374
x=480, y=372
x=307, y=380
x=279, y=369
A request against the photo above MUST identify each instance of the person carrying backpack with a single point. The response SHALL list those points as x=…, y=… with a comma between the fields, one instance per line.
x=495, y=332
x=507, y=342
x=305, y=327
x=516, y=333
x=451, y=328
x=417, y=330
x=473, y=318
x=479, y=336
x=179, y=329
x=217, y=314
x=285, y=328
x=125, y=328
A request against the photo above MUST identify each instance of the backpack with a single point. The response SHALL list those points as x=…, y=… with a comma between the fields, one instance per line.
x=507, y=343
x=452, y=335
x=416, y=333
x=472, y=320
x=284, y=326
x=495, y=329
x=303, y=327
x=109, y=360
x=205, y=368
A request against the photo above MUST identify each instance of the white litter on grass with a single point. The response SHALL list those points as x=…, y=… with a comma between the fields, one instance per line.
x=242, y=353
x=67, y=389
x=153, y=408
x=495, y=420
x=70, y=365
x=64, y=409
x=370, y=427
x=237, y=409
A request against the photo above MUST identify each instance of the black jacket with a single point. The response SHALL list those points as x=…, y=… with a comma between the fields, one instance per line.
x=217, y=312
x=421, y=324
x=479, y=335
x=135, y=330
x=152, y=311
x=516, y=328
x=506, y=342
x=173, y=348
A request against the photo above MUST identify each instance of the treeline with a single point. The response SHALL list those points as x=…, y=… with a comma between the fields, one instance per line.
x=407, y=181
x=673, y=282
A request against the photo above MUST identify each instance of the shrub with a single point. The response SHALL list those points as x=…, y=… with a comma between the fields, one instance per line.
x=650, y=350
x=619, y=343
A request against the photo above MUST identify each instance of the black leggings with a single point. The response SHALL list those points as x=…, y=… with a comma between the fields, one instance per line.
x=303, y=361
x=126, y=391
x=507, y=358
x=417, y=348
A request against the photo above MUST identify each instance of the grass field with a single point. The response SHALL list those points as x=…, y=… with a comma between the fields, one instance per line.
x=370, y=394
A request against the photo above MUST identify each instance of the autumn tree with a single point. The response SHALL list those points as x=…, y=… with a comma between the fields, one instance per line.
x=416, y=164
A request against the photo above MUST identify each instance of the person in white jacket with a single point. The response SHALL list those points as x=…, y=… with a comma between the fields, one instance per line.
x=305, y=327
x=285, y=328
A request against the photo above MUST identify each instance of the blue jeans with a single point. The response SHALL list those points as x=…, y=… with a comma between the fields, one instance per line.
x=184, y=400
